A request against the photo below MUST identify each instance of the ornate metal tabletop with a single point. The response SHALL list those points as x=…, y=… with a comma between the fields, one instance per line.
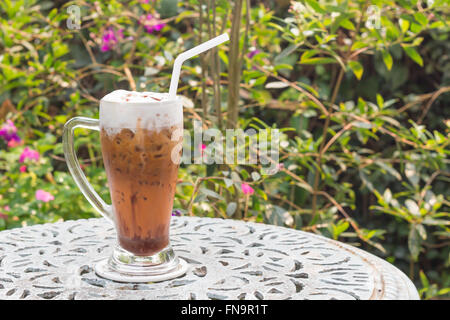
x=228, y=259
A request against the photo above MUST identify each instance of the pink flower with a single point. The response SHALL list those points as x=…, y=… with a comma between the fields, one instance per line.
x=15, y=143
x=27, y=153
x=8, y=128
x=23, y=169
x=44, y=196
x=252, y=53
x=202, y=148
x=152, y=23
x=246, y=189
x=110, y=39
x=9, y=133
x=2, y=215
x=105, y=48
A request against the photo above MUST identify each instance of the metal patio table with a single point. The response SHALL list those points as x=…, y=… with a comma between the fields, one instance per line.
x=228, y=259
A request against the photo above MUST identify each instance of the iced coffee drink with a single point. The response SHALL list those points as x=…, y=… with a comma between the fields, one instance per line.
x=141, y=136
x=141, y=155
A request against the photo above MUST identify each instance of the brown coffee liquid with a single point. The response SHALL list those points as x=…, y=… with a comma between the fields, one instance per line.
x=142, y=179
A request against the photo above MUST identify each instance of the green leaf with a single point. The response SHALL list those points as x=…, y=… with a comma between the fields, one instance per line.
x=439, y=137
x=380, y=101
x=316, y=6
x=424, y=279
x=417, y=41
x=362, y=125
x=309, y=88
x=415, y=27
x=339, y=228
x=387, y=195
x=59, y=49
x=437, y=25
x=436, y=222
x=413, y=54
x=277, y=215
x=287, y=54
x=183, y=15
x=262, y=194
x=168, y=8
x=347, y=24
x=308, y=54
x=357, y=69
x=223, y=56
x=318, y=61
x=52, y=14
x=366, y=181
x=404, y=25
x=276, y=26
x=228, y=182
x=421, y=18
x=389, y=169
x=276, y=85
x=231, y=208
x=255, y=176
x=411, y=173
x=211, y=193
x=359, y=45
x=413, y=208
x=422, y=232
x=443, y=291
x=283, y=66
x=259, y=81
x=387, y=58
x=414, y=243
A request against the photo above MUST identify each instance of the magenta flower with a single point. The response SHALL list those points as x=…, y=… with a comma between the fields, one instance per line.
x=44, y=196
x=8, y=129
x=152, y=23
x=105, y=48
x=110, y=38
x=202, y=148
x=246, y=189
x=177, y=213
x=252, y=53
x=9, y=133
x=28, y=153
x=7, y=208
x=23, y=169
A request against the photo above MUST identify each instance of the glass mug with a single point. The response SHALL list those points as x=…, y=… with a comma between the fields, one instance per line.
x=141, y=136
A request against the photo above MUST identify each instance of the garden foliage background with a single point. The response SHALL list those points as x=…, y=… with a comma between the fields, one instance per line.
x=359, y=89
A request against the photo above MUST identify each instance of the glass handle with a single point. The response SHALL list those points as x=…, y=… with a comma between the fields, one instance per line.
x=74, y=166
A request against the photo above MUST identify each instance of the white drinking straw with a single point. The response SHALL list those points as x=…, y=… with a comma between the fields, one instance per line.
x=189, y=54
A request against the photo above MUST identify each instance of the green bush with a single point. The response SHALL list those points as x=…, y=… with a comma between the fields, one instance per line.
x=359, y=90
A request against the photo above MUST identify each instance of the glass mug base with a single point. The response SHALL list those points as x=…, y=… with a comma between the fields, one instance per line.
x=124, y=266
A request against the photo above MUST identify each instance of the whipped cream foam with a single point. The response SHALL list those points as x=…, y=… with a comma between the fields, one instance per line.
x=146, y=110
x=120, y=96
